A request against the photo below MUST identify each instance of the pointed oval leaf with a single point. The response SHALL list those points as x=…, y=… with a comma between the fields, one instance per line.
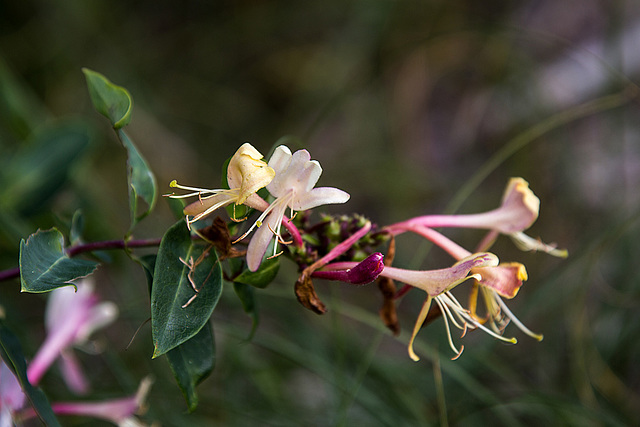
x=112, y=101
x=44, y=266
x=192, y=362
x=180, y=265
x=142, y=182
x=262, y=277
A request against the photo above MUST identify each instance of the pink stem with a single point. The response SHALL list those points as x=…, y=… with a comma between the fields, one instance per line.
x=293, y=230
x=451, y=247
x=480, y=220
x=341, y=248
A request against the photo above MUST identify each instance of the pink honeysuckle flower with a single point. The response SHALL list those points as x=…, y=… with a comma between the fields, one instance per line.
x=70, y=318
x=246, y=174
x=118, y=411
x=518, y=211
x=438, y=284
x=11, y=396
x=293, y=188
x=495, y=281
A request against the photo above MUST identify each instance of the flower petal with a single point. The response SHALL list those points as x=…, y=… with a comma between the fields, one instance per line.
x=72, y=373
x=280, y=159
x=319, y=196
x=295, y=175
x=416, y=328
x=248, y=172
x=435, y=282
x=11, y=393
x=528, y=243
x=98, y=317
x=211, y=203
x=506, y=279
x=261, y=238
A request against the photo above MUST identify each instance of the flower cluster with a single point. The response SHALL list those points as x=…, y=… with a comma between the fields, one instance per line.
x=289, y=178
x=342, y=248
x=489, y=277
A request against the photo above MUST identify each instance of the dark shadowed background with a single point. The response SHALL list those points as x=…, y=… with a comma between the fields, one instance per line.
x=413, y=107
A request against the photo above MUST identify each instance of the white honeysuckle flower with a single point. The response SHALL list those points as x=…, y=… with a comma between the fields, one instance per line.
x=293, y=187
x=246, y=174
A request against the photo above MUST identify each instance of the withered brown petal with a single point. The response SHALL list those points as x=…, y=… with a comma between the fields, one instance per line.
x=388, y=312
x=307, y=296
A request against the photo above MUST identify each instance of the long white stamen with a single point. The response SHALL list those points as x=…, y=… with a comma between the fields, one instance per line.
x=289, y=202
x=174, y=184
x=461, y=313
x=208, y=211
x=467, y=316
x=498, y=319
x=442, y=298
x=518, y=323
x=261, y=218
x=446, y=325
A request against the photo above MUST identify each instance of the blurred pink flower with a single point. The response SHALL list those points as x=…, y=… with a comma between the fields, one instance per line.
x=118, y=411
x=11, y=396
x=70, y=318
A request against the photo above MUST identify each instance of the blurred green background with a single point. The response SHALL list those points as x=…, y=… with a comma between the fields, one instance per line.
x=413, y=107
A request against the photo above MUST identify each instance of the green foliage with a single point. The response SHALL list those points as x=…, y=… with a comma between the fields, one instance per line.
x=115, y=103
x=142, y=183
x=44, y=266
x=263, y=276
x=181, y=265
x=112, y=101
x=192, y=362
x=410, y=107
x=11, y=353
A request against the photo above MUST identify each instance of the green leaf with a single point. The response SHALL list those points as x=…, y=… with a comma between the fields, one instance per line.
x=11, y=353
x=44, y=266
x=260, y=279
x=171, y=324
x=115, y=103
x=112, y=101
x=176, y=206
x=246, y=293
x=142, y=182
x=148, y=263
x=192, y=362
